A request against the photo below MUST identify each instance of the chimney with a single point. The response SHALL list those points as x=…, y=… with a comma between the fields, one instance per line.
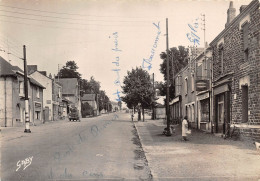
x=231, y=13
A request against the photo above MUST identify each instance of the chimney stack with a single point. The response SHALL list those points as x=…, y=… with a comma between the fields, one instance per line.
x=231, y=13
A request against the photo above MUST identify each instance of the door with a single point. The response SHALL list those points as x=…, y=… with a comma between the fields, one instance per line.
x=220, y=116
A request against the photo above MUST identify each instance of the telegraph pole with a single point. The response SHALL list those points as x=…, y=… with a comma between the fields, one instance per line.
x=27, y=116
x=168, y=132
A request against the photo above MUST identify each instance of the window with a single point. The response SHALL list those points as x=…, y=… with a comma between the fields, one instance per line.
x=59, y=94
x=221, y=56
x=37, y=92
x=204, y=67
x=192, y=82
x=186, y=86
x=245, y=40
x=21, y=88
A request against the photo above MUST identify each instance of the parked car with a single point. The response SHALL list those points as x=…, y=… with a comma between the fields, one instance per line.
x=74, y=114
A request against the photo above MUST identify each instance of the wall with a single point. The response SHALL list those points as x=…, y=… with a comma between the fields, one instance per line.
x=47, y=92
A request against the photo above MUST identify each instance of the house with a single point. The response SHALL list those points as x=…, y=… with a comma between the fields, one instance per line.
x=70, y=91
x=92, y=100
x=236, y=65
x=52, y=95
x=12, y=96
x=47, y=92
x=203, y=90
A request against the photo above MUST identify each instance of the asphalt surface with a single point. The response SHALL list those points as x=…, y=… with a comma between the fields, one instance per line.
x=101, y=148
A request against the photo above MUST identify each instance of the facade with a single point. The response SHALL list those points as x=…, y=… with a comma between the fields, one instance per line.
x=184, y=103
x=70, y=91
x=91, y=99
x=236, y=65
x=203, y=90
x=47, y=93
x=57, y=105
x=12, y=107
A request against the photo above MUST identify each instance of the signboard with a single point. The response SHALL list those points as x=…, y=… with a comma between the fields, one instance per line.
x=38, y=105
x=202, y=85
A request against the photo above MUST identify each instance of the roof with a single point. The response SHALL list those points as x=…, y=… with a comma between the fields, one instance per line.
x=33, y=81
x=69, y=85
x=88, y=97
x=6, y=69
x=245, y=11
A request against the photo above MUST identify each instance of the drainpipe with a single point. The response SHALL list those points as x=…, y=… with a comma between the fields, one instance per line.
x=5, y=104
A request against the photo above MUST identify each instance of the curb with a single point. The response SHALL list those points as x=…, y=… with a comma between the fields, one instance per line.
x=136, y=128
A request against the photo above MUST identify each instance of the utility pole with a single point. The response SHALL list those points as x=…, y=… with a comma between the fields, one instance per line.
x=153, y=103
x=27, y=116
x=168, y=132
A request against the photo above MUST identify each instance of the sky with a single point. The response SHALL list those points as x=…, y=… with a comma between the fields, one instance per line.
x=97, y=33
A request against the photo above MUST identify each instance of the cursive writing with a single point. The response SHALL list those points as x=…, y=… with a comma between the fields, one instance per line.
x=86, y=173
x=147, y=62
x=25, y=163
x=116, y=63
x=192, y=36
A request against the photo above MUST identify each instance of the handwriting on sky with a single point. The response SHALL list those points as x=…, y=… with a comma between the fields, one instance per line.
x=116, y=63
x=193, y=34
x=147, y=63
x=25, y=163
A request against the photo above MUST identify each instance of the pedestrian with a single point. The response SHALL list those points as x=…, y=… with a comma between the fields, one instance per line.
x=184, y=128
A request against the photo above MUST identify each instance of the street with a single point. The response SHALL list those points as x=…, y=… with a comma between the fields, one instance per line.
x=99, y=148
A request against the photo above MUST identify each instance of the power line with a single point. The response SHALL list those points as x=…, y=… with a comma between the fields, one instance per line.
x=58, y=27
x=52, y=21
x=46, y=16
x=73, y=14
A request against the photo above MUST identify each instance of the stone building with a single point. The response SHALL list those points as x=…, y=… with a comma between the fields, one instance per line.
x=236, y=65
x=184, y=103
x=12, y=106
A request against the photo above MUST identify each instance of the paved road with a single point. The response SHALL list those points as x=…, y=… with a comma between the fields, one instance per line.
x=203, y=157
x=101, y=148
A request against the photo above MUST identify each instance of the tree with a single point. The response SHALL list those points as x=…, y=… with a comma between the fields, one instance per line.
x=69, y=70
x=178, y=59
x=86, y=110
x=90, y=87
x=137, y=89
x=103, y=101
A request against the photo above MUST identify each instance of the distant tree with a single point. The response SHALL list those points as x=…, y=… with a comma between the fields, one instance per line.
x=69, y=70
x=120, y=105
x=137, y=89
x=86, y=110
x=178, y=59
x=90, y=86
x=103, y=101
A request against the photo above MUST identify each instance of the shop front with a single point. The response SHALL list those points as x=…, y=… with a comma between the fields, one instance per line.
x=175, y=110
x=221, y=108
x=204, y=111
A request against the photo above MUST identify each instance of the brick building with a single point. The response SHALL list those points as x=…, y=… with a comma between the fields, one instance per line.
x=236, y=65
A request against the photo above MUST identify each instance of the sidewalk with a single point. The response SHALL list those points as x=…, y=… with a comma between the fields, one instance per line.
x=203, y=157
